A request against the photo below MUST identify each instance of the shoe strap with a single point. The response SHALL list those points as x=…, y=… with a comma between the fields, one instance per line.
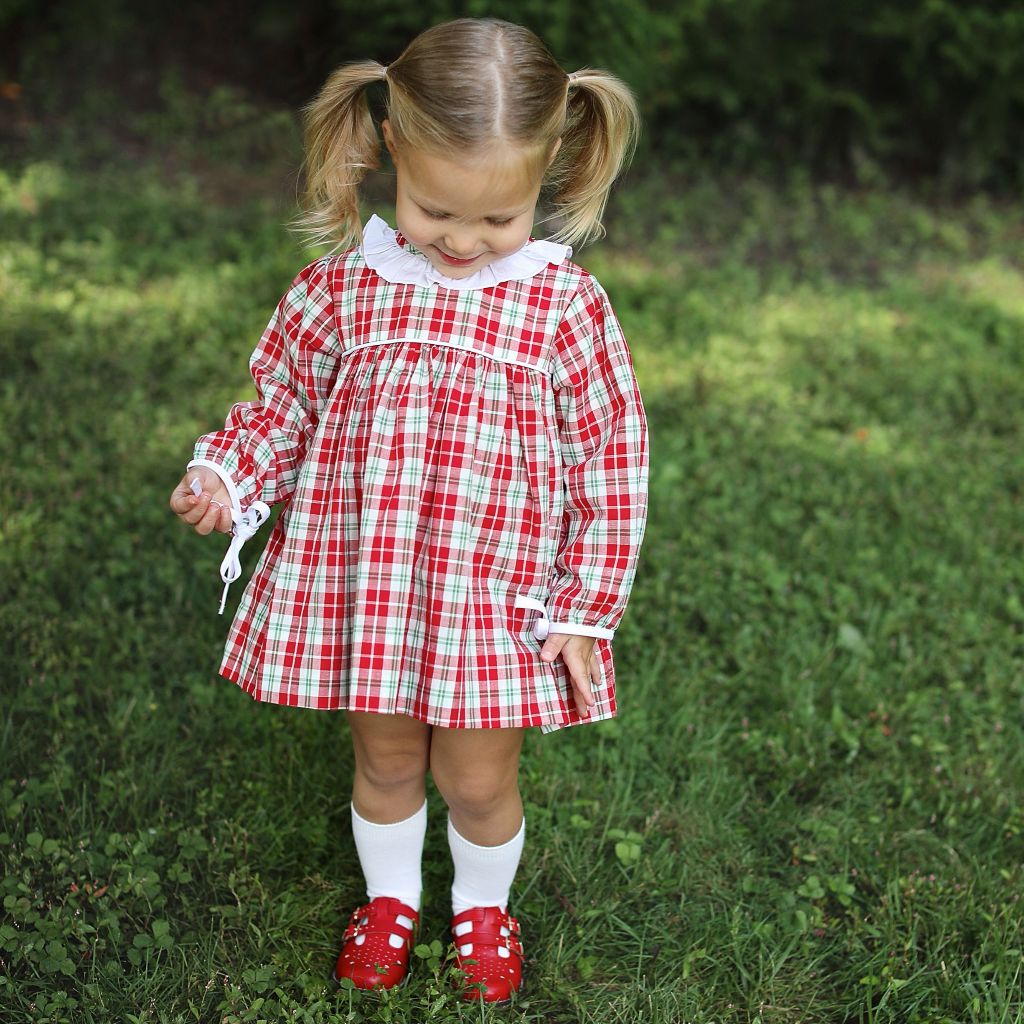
x=490, y=940
x=488, y=922
x=381, y=917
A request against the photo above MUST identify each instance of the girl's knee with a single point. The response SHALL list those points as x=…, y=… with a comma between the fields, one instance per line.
x=479, y=792
x=386, y=765
x=390, y=752
x=391, y=770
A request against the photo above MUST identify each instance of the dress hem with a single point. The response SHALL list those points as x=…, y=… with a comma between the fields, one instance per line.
x=545, y=725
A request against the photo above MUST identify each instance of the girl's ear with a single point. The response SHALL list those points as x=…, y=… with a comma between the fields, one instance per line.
x=554, y=151
x=389, y=140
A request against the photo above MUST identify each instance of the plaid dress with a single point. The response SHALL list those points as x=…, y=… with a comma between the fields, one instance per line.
x=460, y=464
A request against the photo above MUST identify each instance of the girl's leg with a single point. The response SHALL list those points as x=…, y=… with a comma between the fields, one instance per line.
x=389, y=820
x=389, y=812
x=392, y=756
x=477, y=773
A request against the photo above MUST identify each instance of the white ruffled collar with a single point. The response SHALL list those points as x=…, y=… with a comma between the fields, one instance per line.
x=405, y=264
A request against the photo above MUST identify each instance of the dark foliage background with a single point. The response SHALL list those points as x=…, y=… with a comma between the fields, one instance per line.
x=930, y=88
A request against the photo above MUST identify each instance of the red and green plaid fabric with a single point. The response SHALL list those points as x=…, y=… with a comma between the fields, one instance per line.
x=438, y=453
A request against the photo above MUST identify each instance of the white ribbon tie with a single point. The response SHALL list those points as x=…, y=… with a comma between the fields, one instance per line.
x=245, y=525
x=540, y=626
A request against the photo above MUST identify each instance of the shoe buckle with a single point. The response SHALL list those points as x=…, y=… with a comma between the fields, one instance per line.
x=356, y=926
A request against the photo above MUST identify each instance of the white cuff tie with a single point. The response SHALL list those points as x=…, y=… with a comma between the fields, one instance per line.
x=542, y=626
x=245, y=525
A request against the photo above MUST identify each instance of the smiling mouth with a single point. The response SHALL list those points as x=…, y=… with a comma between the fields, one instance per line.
x=452, y=261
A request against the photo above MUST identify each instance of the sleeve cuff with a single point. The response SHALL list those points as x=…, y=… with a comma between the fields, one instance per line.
x=542, y=627
x=580, y=630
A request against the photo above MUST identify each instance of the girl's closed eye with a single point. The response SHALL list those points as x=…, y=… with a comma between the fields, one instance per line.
x=494, y=222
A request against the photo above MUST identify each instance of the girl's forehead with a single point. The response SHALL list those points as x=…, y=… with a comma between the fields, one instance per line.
x=503, y=178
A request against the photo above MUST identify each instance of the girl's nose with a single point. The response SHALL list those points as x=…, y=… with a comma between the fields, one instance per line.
x=460, y=244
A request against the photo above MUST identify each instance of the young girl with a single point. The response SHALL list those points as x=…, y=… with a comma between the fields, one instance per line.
x=448, y=415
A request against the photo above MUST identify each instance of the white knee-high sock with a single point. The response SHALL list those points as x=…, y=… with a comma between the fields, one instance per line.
x=391, y=856
x=483, y=874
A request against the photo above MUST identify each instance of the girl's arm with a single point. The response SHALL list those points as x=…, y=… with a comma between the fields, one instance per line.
x=603, y=434
x=258, y=453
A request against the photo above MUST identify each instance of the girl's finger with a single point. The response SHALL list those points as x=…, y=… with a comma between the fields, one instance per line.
x=578, y=675
x=553, y=646
x=224, y=520
x=584, y=699
x=209, y=519
x=181, y=502
x=199, y=509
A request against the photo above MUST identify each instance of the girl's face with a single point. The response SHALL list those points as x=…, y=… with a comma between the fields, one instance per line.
x=464, y=215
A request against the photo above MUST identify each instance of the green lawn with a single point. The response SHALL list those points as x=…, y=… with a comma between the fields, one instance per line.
x=812, y=805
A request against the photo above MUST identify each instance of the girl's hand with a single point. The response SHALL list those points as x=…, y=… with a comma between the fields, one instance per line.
x=211, y=511
x=577, y=653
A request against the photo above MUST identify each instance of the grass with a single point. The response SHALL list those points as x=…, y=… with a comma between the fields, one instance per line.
x=810, y=808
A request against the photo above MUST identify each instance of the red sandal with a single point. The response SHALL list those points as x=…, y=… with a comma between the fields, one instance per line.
x=376, y=962
x=492, y=966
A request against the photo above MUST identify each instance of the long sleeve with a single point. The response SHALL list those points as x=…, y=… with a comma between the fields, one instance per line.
x=263, y=443
x=602, y=430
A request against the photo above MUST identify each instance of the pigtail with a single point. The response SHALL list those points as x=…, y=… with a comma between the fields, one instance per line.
x=341, y=146
x=601, y=130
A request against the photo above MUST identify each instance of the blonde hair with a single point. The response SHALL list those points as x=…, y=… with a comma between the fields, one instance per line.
x=466, y=87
